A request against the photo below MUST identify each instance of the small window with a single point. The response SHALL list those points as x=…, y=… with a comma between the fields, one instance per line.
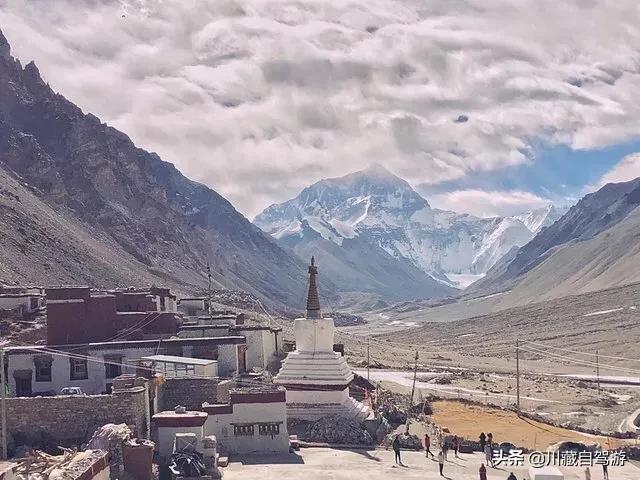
x=42, y=365
x=112, y=367
x=78, y=369
x=269, y=429
x=243, y=430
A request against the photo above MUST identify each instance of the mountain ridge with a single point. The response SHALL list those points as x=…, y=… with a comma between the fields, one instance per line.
x=139, y=207
x=386, y=212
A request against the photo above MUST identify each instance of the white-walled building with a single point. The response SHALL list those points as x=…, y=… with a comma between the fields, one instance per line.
x=263, y=343
x=317, y=378
x=24, y=300
x=254, y=421
x=48, y=369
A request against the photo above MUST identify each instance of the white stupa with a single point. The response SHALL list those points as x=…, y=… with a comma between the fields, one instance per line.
x=317, y=378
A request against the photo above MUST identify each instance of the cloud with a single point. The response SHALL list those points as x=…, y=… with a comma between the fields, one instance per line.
x=257, y=99
x=483, y=203
x=626, y=169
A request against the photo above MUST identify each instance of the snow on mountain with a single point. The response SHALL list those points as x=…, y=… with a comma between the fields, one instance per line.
x=535, y=220
x=382, y=209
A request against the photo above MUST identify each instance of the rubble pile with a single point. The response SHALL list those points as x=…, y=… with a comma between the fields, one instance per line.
x=336, y=430
x=71, y=465
x=110, y=437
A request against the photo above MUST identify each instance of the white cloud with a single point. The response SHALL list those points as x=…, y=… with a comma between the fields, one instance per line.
x=483, y=203
x=259, y=98
x=626, y=169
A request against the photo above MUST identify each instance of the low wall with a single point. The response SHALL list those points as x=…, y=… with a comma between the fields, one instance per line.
x=190, y=393
x=45, y=422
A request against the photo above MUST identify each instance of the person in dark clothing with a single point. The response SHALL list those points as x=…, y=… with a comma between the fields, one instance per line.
x=490, y=438
x=511, y=477
x=483, y=441
x=605, y=471
x=396, y=449
x=483, y=472
x=456, y=445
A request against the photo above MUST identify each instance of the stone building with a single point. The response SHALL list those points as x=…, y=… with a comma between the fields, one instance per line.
x=24, y=300
x=82, y=315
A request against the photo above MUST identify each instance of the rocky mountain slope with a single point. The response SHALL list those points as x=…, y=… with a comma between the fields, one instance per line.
x=372, y=219
x=593, y=246
x=82, y=204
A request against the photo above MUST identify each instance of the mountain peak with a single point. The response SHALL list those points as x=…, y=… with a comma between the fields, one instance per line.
x=5, y=48
x=377, y=169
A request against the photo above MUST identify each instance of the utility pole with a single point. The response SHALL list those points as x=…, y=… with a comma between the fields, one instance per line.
x=598, y=370
x=3, y=407
x=209, y=292
x=413, y=388
x=518, y=375
x=368, y=359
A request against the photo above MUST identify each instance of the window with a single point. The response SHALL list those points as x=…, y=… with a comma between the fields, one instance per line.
x=112, y=367
x=78, y=369
x=243, y=430
x=43, y=368
x=269, y=429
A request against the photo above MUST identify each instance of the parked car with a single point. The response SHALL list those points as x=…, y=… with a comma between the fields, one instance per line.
x=71, y=391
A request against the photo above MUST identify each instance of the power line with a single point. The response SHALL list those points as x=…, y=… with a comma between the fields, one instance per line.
x=582, y=353
x=587, y=363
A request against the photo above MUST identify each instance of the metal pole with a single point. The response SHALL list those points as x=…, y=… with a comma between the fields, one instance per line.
x=4, y=405
x=209, y=292
x=368, y=359
x=413, y=388
x=598, y=370
x=518, y=375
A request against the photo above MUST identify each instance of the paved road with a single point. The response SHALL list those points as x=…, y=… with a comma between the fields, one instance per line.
x=406, y=379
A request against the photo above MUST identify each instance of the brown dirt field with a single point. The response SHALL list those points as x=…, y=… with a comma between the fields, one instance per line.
x=469, y=420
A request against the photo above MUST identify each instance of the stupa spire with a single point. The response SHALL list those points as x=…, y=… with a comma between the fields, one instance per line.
x=313, y=301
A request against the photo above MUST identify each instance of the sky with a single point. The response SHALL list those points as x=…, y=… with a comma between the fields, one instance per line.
x=489, y=107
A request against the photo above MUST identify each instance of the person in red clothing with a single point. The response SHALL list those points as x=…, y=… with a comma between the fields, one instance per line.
x=427, y=446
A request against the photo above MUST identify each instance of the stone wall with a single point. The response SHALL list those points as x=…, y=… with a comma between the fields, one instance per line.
x=46, y=422
x=191, y=393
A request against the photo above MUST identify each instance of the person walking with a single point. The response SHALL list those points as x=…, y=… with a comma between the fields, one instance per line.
x=396, y=449
x=490, y=438
x=444, y=447
x=427, y=446
x=456, y=445
x=483, y=472
x=441, y=457
x=511, y=477
x=587, y=474
x=605, y=471
x=488, y=454
x=483, y=441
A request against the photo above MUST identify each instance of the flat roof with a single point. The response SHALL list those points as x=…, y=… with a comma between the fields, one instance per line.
x=19, y=295
x=176, y=359
x=231, y=339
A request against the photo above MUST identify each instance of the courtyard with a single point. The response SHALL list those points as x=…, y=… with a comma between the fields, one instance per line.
x=378, y=464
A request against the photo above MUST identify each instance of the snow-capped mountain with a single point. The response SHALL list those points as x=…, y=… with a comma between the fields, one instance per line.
x=373, y=207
